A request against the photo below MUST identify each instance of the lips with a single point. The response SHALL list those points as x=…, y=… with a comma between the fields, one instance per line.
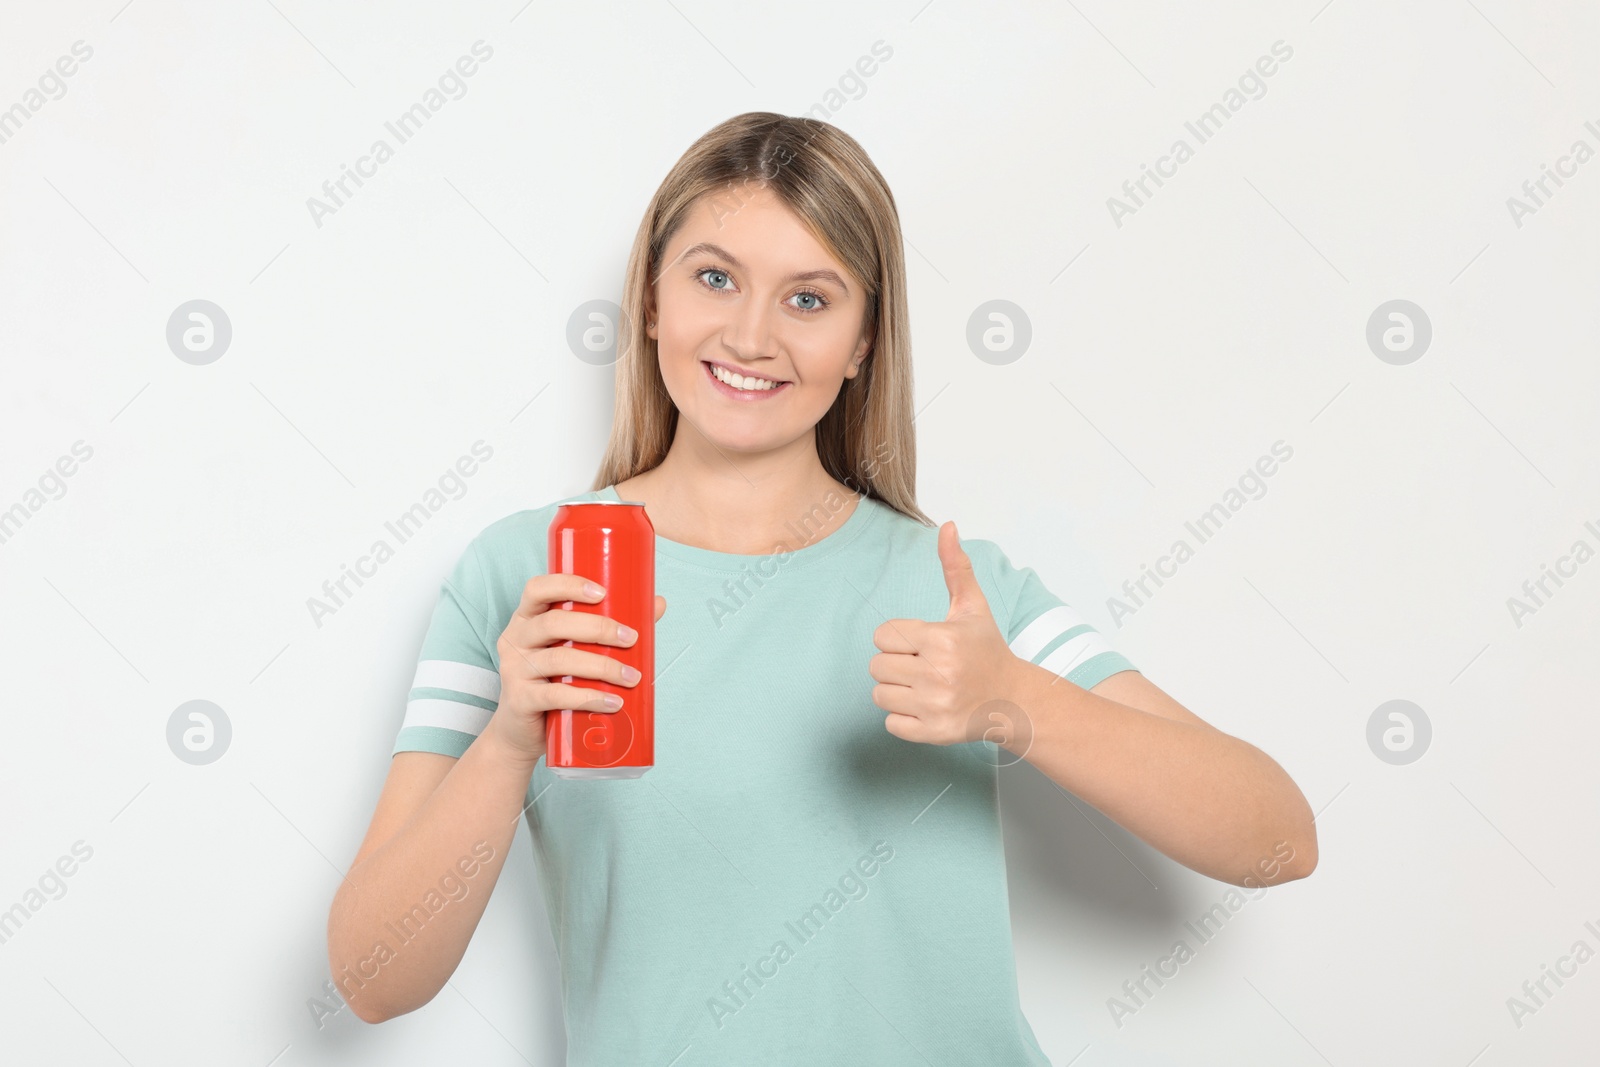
x=740, y=394
x=743, y=374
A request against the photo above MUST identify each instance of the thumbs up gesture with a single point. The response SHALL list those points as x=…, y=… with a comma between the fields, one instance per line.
x=934, y=675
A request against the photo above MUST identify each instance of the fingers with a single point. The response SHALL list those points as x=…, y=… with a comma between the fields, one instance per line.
x=966, y=595
x=543, y=590
x=897, y=669
x=558, y=696
x=542, y=679
x=538, y=659
x=907, y=636
x=553, y=627
x=536, y=642
x=905, y=727
x=561, y=662
x=524, y=641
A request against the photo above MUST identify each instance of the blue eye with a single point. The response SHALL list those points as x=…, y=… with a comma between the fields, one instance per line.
x=701, y=274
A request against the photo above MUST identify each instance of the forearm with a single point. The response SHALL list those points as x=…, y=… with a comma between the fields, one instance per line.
x=1210, y=801
x=402, y=918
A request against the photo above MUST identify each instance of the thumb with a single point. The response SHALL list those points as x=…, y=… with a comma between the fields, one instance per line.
x=966, y=596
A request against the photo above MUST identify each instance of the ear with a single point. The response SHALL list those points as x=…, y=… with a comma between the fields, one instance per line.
x=859, y=358
x=651, y=327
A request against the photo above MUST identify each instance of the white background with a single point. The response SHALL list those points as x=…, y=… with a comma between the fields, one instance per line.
x=1168, y=353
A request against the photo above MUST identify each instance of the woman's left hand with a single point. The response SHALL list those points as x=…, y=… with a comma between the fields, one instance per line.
x=936, y=678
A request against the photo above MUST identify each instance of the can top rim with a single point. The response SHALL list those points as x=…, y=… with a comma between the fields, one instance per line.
x=613, y=503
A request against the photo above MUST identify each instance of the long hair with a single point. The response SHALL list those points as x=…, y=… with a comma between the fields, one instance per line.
x=866, y=439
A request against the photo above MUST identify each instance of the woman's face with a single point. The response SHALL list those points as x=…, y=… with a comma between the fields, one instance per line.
x=745, y=288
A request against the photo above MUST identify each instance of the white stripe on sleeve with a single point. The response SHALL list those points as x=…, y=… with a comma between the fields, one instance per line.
x=1046, y=628
x=458, y=677
x=447, y=714
x=1075, y=652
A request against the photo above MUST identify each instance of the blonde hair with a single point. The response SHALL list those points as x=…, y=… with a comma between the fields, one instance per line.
x=866, y=439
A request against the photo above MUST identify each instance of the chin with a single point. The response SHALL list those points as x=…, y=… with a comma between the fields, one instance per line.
x=753, y=442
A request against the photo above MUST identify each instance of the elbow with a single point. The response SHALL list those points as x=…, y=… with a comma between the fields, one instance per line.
x=368, y=1013
x=1297, y=853
x=1304, y=862
x=358, y=988
x=1311, y=853
x=1290, y=857
x=1305, y=839
x=364, y=1005
x=355, y=990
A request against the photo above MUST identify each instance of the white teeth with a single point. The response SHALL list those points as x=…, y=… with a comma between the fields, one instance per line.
x=739, y=381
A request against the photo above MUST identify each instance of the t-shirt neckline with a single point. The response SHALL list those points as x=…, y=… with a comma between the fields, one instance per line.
x=866, y=511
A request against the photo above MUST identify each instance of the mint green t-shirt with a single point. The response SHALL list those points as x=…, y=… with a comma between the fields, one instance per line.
x=790, y=883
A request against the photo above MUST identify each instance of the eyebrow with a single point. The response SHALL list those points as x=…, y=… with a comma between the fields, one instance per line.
x=823, y=275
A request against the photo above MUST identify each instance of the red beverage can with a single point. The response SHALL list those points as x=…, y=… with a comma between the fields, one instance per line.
x=613, y=543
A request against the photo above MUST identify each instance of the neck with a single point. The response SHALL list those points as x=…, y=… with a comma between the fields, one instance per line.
x=738, y=502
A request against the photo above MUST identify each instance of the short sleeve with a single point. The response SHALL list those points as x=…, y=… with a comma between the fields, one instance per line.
x=1042, y=629
x=457, y=683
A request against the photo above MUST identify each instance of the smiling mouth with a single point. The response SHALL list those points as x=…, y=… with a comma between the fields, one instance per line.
x=742, y=386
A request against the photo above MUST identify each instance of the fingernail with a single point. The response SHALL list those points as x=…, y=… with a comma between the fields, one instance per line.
x=613, y=701
x=593, y=590
x=629, y=675
x=626, y=633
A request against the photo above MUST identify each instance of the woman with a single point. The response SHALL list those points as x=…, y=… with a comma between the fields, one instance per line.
x=813, y=870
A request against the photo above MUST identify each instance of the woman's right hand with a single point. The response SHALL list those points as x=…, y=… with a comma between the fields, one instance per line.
x=532, y=649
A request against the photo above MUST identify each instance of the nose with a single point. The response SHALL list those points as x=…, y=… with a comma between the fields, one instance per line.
x=750, y=335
